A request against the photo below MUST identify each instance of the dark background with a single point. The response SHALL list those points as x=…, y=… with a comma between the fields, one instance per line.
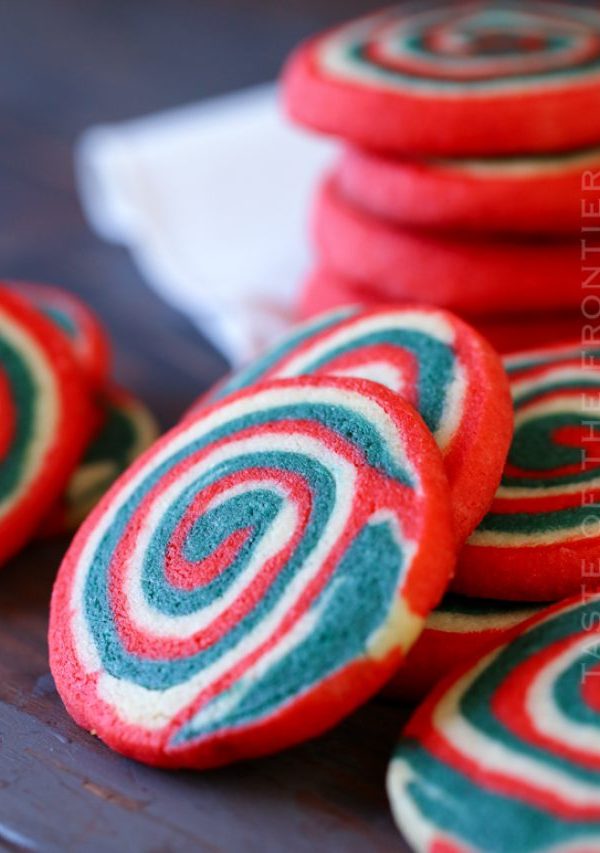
x=68, y=64
x=63, y=66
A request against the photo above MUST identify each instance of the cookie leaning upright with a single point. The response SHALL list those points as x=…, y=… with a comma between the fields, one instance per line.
x=454, y=79
x=47, y=418
x=429, y=357
x=540, y=539
x=255, y=576
x=504, y=754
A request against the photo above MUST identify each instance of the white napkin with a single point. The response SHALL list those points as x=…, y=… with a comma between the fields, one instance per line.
x=212, y=200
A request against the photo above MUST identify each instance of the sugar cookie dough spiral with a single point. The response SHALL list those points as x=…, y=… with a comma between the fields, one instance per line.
x=552, y=475
x=515, y=736
x=229, y=577
x=46, y=419
x=468, y=47
x=539, y=540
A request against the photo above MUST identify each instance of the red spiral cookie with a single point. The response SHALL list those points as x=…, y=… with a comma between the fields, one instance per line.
x=254, y=576
x=536, y=195
x=541, y=537
x=471, y=276
x=47, y=418
x=458, y=630
x=504, y=755
x=77, y=322
x=455, y=79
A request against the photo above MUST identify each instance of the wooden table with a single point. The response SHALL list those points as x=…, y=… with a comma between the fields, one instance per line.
x=64, y=65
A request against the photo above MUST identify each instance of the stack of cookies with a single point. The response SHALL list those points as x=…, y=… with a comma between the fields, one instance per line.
x=67, y=431
x=471, y=131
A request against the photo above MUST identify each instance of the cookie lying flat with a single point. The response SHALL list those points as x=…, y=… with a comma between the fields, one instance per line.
x=504, y=754
x=435, y=362
x=454, y=79
x=457, y=631
x=47, y=418
x=471, y=275
x=255, y=576
x=127, y=430
x=77, y=321
x=538, y=195
x=541, y=537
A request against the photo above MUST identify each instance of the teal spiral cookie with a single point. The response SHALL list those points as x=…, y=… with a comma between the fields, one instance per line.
x=504, y=755
x=540, y=538
x=432, y=359
x=454, y=78
x=254, y=576
x=47, y=418
x=127, y=430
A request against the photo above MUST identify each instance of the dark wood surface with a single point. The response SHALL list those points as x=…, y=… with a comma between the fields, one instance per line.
x=63, y=66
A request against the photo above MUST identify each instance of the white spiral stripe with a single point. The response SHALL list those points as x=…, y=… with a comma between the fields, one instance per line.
x=281, y=530
x=494, y=757
x=546, y=715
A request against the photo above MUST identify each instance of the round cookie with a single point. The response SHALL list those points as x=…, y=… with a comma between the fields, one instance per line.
x=435, y=362
x=47, y=419
x=504, y=754
x=127, y=430
x=536, y=195
x=254, y=576
x=457, y=631
x=75, y=320
x=541, y=537
x=466, y=78
x=324, y=290
x=474, y=276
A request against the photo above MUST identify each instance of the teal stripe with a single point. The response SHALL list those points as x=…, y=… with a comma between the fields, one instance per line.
x=62, y=319
x=261, y=366
x=538, y=522
x=557, y=358
x=439, y=791
x=435, y=361
x=476, y=703
x=359, y=594
x=534, y=448
x=164, y=673
x=24, y=393
x=478, y=817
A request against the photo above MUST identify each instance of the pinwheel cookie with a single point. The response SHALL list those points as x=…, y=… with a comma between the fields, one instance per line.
x=541, y=538
x=255, y=576
x=455, y=78
x=47, y=418
x=504, y=754
x=435, y=362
